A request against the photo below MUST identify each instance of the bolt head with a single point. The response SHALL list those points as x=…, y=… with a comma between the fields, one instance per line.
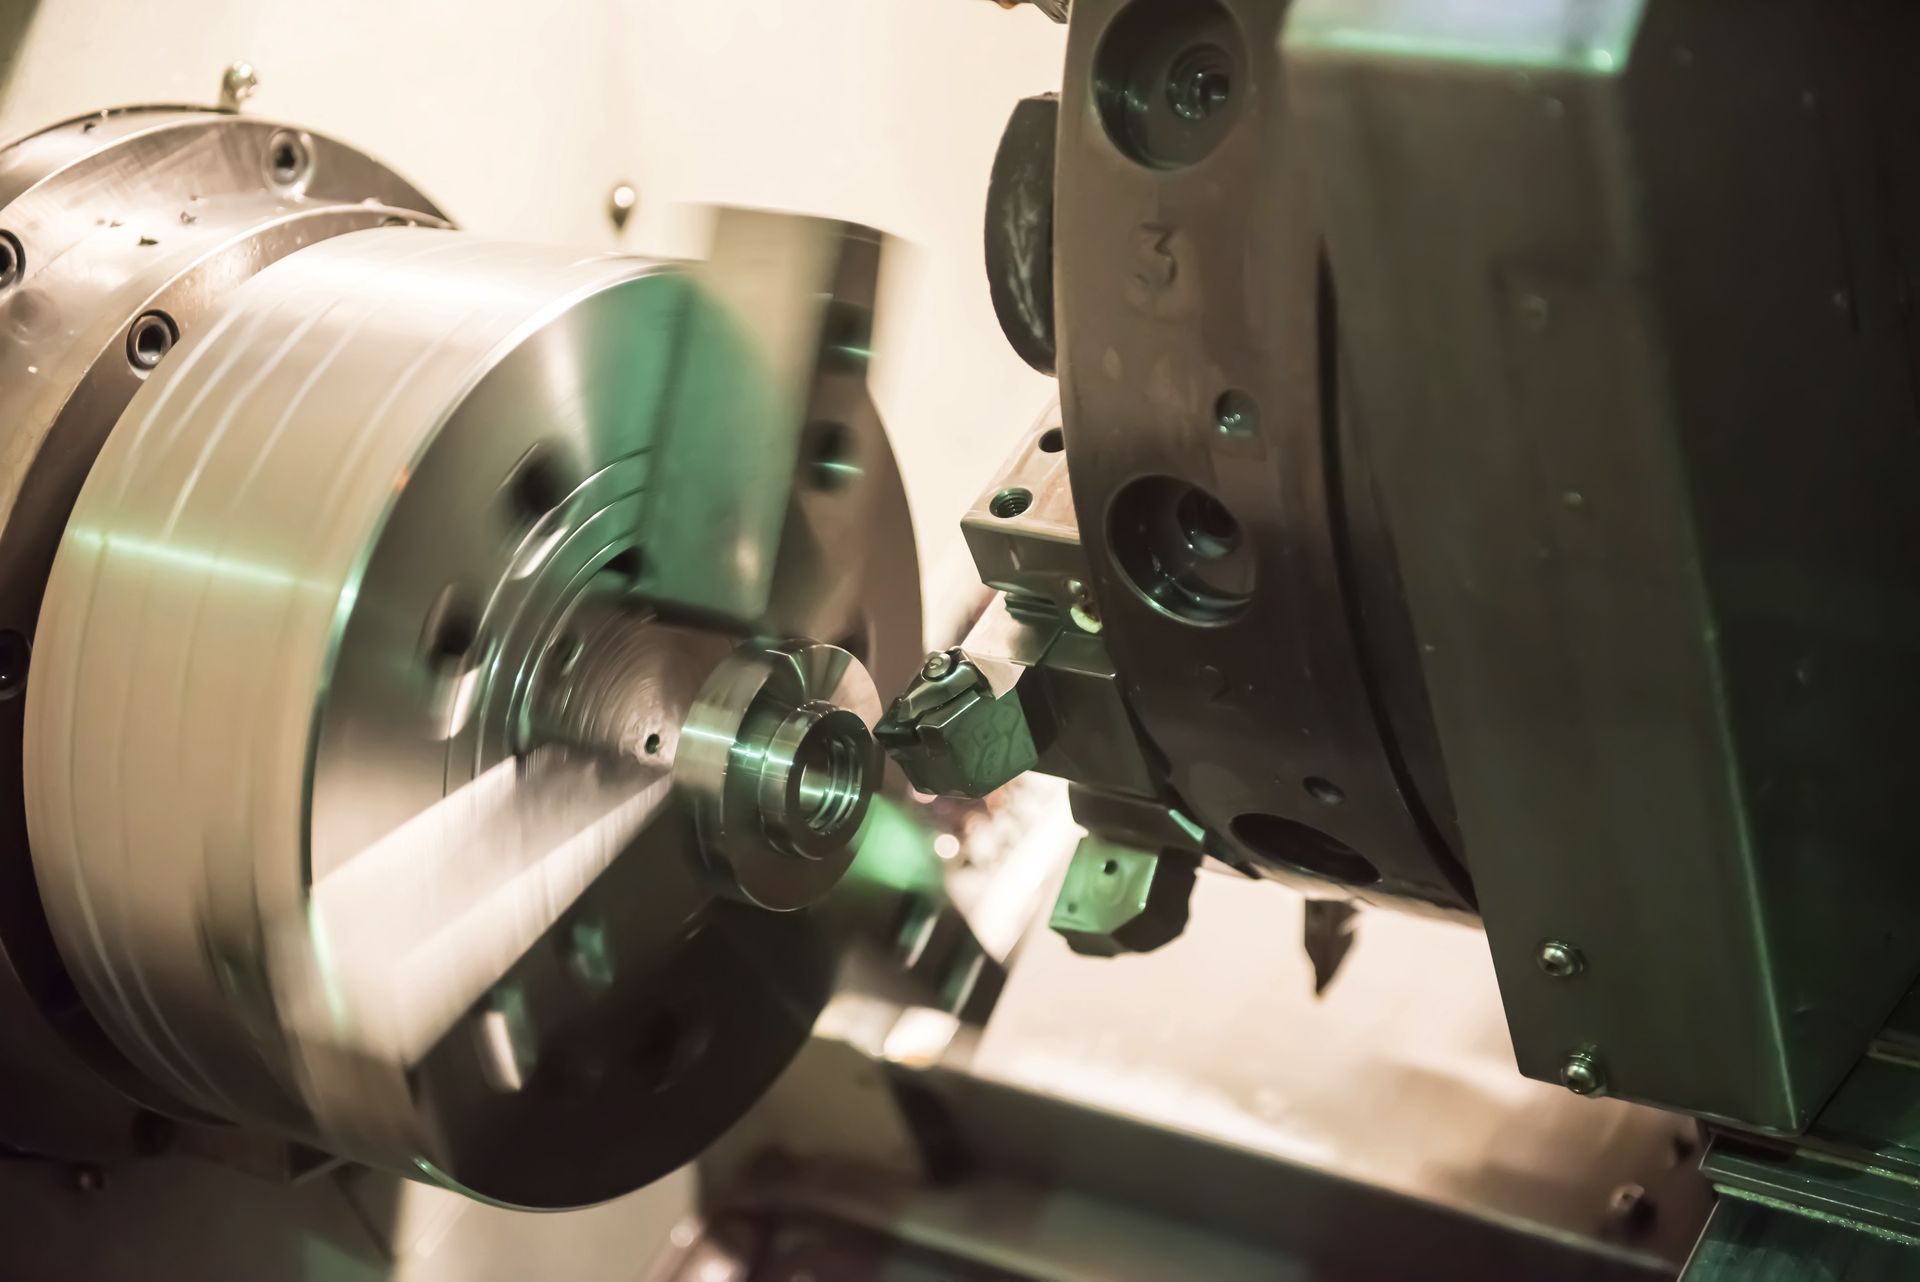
x=621, y=202
x=1630, y=1212
x=1627, y=1200
x=937, y=665
x=1560, y=959
x=1582, y=1074
x=237, y=84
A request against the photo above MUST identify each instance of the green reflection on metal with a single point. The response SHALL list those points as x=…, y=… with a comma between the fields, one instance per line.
x=324, y=964
x=1573, y=35
x=834, y=473
x=220, y=564
x=895, y=851
x=322, y=1260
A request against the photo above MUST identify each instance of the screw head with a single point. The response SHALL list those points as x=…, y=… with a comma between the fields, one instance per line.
x=1199, y=84
x=1582, y=1074
x=938, y=664
x=620, y=204
x=237, y=84
x=1630, y=1209
x=1560, y=959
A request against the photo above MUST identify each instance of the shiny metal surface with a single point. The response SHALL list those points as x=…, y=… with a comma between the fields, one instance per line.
x=1030, y=547
x=390, y=716
x=1115, y=899
x=1346, y=1132
x=1645, y=430
x=1752, y=1242
x=956, y=734
x=127, y=223
x=778, y=757
x=1246, y=586
x=755, y=511
x=1855, y=1171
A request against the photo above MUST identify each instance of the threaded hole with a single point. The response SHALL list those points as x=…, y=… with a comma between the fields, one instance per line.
x=832, y=781
x=150, y=339
x=288, y=158
x=1010, y=503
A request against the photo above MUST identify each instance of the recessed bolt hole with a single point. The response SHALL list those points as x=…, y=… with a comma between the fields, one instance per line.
x=452, y=630
x=1324, y=791
x=1210, y=529
x=629, y=564
x=1110, y=867
x=13, y=259
x=1073, y=908
x=1052, y=441
x=539, y=484
x=287, y=158
x=1164, y=79
x=1200, y=83
x=652, y=746
x=564, y=653
x=1235, y=414
x=14, y=655
x=151, y=337
x=846, y=338
x=1010, y=503
x=1181, y=549
x=830, y=462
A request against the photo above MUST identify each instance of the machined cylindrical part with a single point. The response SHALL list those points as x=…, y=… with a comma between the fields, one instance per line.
x=359, y=768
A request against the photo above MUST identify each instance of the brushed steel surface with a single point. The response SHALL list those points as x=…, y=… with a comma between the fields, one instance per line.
x=778, y=757
x=300, y=834
x=1644, y=424
x=118, y=215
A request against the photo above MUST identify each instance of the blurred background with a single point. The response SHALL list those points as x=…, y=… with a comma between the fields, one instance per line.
x=522, y=119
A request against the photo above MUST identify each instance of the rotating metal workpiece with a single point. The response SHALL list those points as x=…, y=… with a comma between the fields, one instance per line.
x=119, y=233
x=403, y=772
